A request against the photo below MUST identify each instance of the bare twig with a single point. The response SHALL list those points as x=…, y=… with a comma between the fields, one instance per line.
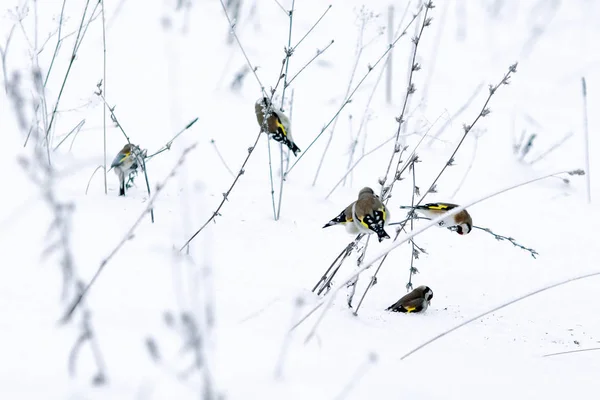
x=586, y=139
x=441, y=335
x=571, y=351
x=167, y=146
x=212, y=141
x=552, y=148
x=508, y=238
x=226, y=194
x=410, y=89
x=311, y=29
x=75, y=130
x=127, y=236
x=319, y=52
x=271, y=179
x=104, y=88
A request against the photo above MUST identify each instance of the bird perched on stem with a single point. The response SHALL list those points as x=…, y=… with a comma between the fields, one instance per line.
x=460, y=222
x=416, y=301
x=277, y=124
x=125, y=163
x=367, y=215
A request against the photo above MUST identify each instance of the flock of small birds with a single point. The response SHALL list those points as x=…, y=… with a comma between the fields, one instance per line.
x=366, y=215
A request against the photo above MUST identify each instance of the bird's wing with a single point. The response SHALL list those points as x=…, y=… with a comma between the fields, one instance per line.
x=438, y=206
x=413, y=305
x=119, y=159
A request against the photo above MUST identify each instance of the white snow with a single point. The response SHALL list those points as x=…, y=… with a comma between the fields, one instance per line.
x=167, y=66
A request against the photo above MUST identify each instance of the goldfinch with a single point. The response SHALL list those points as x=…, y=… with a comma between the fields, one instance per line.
x=367, y=215
x=416, y=301
x=278, y=124
x=124, y=163
x=461, y=222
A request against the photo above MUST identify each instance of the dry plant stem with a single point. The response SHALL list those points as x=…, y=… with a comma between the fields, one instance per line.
x=390, y=47
x=571, y=351
x=509, y=239
x=518, y=299
x=225, y=195
x=58, y=42
x=326, y=278
x=412, y=253
x=586, y=140
x=319, y=52
x=104, y=89
x=91, y=177
x=212, y=141
x=127, y=237
x=456, y=114
x=168, y=145
x=410, y=89
x=468, y=171
x=312, y=27
x=288, y=54
x=271, y=179
x=397, y=243
x=113, y=116
x=78, y=40
x=3, y=52
x=76, y=129
x=252, y=68
x=287, y=150
x=552, y=148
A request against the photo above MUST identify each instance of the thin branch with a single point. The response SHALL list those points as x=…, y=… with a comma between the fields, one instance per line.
x=410, y=89
x=104, y=88
x=509, y=239
x=271, y=179
x=311, y=29
x=212, y=141
x=319, y=52
x=288, y=54
x=127, y=236
x=587, y=140
x=75, y=129
x=226, y=194
x=357, y=162
x=237, y=39
x=571, y=351
x=113, y=117
x=167, y=146
x=441, y=335
x=552, y=148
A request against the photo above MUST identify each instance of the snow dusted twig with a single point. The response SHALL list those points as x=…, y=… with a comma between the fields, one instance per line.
x=287, y=159
x=75, y=131
x=509, y=239
x=361, y=371
x=325, y=281
x=104, y=88
x=319, y=52
x=356, y=163
x=113, y=117
x=371, y=68
x=3, y=52
x=312, y=27
x=468, y=171
x=168, y=145
x=413, y=253
x=571, y=351
x=271, y=179
x=414, y=66
x=127, y=236
x=456, y=114
x=552, y=148
x=586, y=140
x=226, y=194
x=214, y=144
x=288, y=53
x=441, y=335
x=328, y=300
x=237, y=39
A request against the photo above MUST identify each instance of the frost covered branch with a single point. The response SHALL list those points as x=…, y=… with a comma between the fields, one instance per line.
x=509, y=239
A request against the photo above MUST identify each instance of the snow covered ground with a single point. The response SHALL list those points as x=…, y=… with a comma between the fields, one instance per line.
x=166, y=66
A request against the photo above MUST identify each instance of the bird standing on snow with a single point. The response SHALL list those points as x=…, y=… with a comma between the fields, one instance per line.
x=416, y=301
x=124, y=163
x=277, y=124
x=367, y=215
x=461, y=221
